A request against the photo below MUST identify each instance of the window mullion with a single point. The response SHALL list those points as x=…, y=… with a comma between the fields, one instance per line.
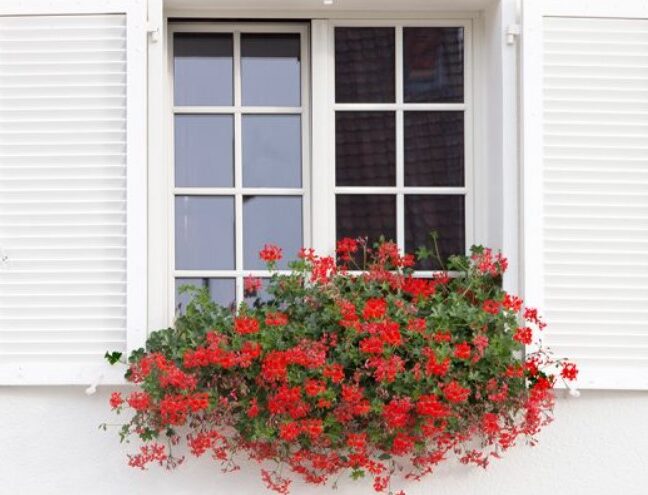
x=400, y=136
x=238, y=166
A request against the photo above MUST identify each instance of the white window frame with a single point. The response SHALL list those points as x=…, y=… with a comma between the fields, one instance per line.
x=325, y=107
x=321, y=148
x=38, y=373
x=238, y=110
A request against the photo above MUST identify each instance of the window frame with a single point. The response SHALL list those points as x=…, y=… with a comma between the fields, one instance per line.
x=237, y=110
x=325, y=107
x=321, y=87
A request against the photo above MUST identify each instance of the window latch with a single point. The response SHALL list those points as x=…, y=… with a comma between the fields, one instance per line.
x=154, y=31
x=513, y=31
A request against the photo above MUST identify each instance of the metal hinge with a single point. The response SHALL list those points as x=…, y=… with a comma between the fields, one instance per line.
x=513, y=32
x=154, y=31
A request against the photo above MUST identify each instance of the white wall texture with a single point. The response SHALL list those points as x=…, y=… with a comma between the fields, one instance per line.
x=50, y=445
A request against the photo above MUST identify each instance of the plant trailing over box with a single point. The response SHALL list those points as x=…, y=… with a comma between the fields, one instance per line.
x=378, y=373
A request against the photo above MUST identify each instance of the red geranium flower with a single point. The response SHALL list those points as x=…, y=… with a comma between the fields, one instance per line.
x=270, y=253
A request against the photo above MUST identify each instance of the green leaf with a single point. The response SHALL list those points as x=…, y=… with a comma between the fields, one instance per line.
x=113, y=357
x=356, y=474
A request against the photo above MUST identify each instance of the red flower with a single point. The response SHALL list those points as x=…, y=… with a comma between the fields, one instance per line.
x=429, y=405
x=116, y=400
x=524, y=335
x=140, y=401
x=276, y=319
x=356, y=441
x=314, y=387
x=246, y=325
x=491, y=306
x=253, y=410
x=433, y=366
x=442, y=336
x=346, y=247
x=371, y=345
x=374, y=309
x=569, y=371
x=270, y=253
x=251, y=285
x=312, y=427
x=490, y=424
x=396, y=412
x=334, y=372
x=402, y=444
x=418, y=325
x=462, y=351
x=512, y=303
x=454, y=392
x=419, y=287
x=289, y=431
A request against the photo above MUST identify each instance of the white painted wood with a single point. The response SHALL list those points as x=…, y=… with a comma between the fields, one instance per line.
x=585, y=171
x=238, y=110
x=72, y=188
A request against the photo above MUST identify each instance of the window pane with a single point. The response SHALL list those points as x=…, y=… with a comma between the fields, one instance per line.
x=203, y=69
x=222, y=291
x=365, y=65
x=270, y=70
x=271, y=220
x=433, y=64
x=365, y=215
x=365, y=148
x=434, y=149
x=271, y=150
x=443, y=214
x=204, y=233
x=204, y=151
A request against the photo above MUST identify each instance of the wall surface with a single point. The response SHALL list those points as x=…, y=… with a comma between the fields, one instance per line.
x=50, y=445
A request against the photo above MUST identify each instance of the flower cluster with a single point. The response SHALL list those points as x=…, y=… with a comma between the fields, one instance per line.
x=374, y=372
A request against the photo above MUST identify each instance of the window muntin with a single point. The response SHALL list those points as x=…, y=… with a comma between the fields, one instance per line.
x=226, y=203
x=431, y=153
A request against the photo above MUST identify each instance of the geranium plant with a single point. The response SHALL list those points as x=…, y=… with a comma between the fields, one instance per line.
x=375, y=372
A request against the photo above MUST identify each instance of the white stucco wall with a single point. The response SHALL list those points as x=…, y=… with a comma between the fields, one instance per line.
x=50, y=445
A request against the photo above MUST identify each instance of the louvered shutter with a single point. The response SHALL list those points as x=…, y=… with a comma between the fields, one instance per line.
x=72, y=188
x=585, y=82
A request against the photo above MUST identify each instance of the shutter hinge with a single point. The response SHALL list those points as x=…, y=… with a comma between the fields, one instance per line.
x=513, y=31
x=154, y=31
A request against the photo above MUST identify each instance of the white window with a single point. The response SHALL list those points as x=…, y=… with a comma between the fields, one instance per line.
x=241, y=127
x=397, y=115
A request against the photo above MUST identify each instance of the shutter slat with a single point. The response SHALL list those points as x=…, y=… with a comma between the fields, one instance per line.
x=63, y=208
x=595, y=192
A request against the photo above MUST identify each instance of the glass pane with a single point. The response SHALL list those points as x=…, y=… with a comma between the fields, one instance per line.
x=204, y=151
x=204, y=233
x=433, y=64
x=271, y=150
x=444, y=214
x=365, y=60
x=261, y=295
x=203, y=69
x=434, y=149
x=365, y=215
x=365, y=148
x=271, y=220
x=222, y=290
x=270, y=70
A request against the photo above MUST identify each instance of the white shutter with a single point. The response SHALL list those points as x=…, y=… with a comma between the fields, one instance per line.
x=585, y=80
x=72, y=190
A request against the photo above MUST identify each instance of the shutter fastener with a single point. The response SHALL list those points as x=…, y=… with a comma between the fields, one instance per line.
x=513, y=31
